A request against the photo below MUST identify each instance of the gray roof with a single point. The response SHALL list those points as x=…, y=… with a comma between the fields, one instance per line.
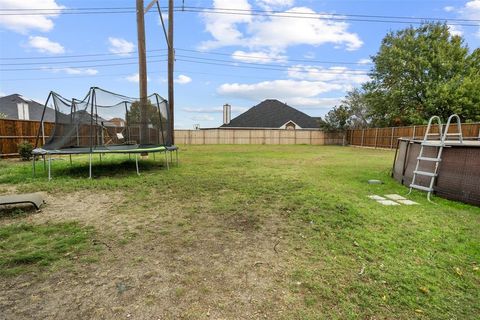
x=272, y=113
x=8, y=106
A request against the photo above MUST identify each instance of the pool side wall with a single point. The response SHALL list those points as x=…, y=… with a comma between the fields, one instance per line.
x=458, y=173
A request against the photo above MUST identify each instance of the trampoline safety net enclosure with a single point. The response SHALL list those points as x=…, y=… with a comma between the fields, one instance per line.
x=105, y=122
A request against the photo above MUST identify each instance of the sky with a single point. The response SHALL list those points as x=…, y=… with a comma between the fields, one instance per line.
x=306, y=53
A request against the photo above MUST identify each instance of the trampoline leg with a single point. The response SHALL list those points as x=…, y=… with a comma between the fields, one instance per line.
x=34, y=166
x=166, y=160
x=100, y=157
x=90, y=167
x=70, y=159
x=49, y=168
x=44, y=163
x=171, y=157
x=136, y=163
x=176, y=155
x=129, y=157
x=153, y=156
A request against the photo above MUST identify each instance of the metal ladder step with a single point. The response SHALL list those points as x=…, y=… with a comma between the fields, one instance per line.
x=425, y=173
x=429, y=159
x=453, y=134
x=416, y=186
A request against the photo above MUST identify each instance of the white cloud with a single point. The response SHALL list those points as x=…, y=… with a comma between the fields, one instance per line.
x=25, y=23
x=449, y=9
x=471, y=10
x=275, y=4
x=75, y=71
x=259, y=56
x=120, y=46
x=278, y=89
x=135, y=78
x=365, y=61
x=317, y=103
x=183, y=79
x=275, y=33
x=223, y=27
x=455, y=30
x=2, y=94
x=338, y=75
x=45, y=45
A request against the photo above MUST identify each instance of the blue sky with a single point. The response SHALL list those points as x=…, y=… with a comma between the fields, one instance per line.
x=221, y=58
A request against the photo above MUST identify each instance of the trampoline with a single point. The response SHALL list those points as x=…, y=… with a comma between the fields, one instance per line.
x=104, y=122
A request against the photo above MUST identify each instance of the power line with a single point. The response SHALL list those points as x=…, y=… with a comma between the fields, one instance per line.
x=235, y=63
x=331, y=14
x=352, y=72
x=77, y=61
x=75, y=56
x=74, y=67
x=254, y=12
x=273, y=58
x=320, y=17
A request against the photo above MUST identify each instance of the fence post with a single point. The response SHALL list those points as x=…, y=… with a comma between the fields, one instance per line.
x=310, y=136
x=376, y=137
x=413, y=134
x=249, y=136
x=391, y=138
x=363, y=134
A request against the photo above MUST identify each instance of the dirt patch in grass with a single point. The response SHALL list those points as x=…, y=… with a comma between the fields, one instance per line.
x=168, y=261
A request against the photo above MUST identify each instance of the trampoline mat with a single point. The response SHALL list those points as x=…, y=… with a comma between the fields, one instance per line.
x=103, y=149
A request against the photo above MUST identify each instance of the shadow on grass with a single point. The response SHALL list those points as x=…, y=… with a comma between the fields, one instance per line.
x=110, y=169
x=16, y=211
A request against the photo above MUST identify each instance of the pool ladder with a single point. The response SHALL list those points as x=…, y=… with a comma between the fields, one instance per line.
x=442, y=136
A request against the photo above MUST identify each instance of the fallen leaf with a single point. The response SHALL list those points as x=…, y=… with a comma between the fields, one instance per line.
x=424, y=290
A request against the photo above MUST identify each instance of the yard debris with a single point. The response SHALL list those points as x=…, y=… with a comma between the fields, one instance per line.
x=362, y=270
x=374, y=181
x=424, y=290
x=458, y=271
x=418, y=310
x=275, y=246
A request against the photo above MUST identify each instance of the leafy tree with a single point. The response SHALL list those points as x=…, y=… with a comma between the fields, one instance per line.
x=337, y=118
x=421, y=72
x=153, y=116
x=355, y=102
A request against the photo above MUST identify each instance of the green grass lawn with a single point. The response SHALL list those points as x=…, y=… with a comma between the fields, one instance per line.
x=343, y=255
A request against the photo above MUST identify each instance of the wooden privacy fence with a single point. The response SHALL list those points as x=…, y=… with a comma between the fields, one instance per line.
x=13, y=132
x=387, y=137
x=258, y=136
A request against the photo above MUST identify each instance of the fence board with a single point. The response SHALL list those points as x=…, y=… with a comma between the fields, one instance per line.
x=387, y=137
x=13, y=132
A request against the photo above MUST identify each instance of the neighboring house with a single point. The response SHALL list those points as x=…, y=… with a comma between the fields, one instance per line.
x=270, y=113
x=16, y=106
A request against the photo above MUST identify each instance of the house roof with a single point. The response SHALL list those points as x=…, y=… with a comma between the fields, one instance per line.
x=8, y=106
x=271, y=113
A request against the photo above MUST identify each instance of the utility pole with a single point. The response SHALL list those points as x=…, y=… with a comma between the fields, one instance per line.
x=171, y=62
x=142, y=72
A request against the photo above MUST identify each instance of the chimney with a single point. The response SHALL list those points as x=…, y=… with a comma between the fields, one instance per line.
x=227, y=113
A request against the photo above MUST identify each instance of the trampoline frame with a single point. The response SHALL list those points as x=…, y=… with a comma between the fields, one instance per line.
x=49, y=153
x=94, y=148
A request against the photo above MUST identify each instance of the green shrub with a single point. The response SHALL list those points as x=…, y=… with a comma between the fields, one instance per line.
x=25, y=150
